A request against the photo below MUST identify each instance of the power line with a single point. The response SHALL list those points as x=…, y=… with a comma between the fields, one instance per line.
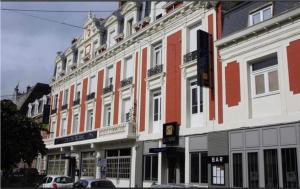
x=56, y=11
x=47, y=19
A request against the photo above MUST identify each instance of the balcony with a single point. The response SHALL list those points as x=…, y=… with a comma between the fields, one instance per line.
x=90, y=96
x=62, y=73
x=155, y=70
x=53, y=111
x=65, y=106
x=73, y=65
x=127, y=81
x=87, y=57
x=144, y=22
x=119, y=37
x=108, y=89
x=48, y=141
x=102, y=48
x=126, y=129
x=190, y=56
x=76, y=102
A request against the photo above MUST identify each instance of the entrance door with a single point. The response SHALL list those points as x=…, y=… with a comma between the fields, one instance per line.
x=176, y=169
x=72, y=166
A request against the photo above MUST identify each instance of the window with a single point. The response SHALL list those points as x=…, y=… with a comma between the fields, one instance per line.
x=56, y=165
x=128, y=71
x=159, y=10
x=111, y=41
x=126, y=110
x=107, y=119
x=271, y=168
x=196, y=98
x=118, y=163
x=52, y=129
x=218, y=176
x=78, y=89
x=199, y=172
x=253, y=177
x=289, y=167
x=88, y=164
x=192, y=37
x=157, y=55
x=66, y=94
x=150, y=167
x=54, y=103
x=129, y=26
x=110, y=76
x=92, y=88
x=156, y=106
x=32, y=110
x=63, y=127
x=237, y=162
x=144, y=10
x=75, y=124
x=95, y=46
x=260, y=15
x=265, y=76
x=81, y=56
x=40, y=107
x=90, y=118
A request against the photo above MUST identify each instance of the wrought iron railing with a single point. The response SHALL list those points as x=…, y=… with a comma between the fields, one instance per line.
x=126, y=82
x=108, y=89
x=53, y=111
x=90, y=96
x=190, y=56
x=155, y=70
x=65, y=106
x=76, y=102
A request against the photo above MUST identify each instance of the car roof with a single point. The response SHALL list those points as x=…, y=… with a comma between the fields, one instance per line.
x=56, y=176
x=92, y=179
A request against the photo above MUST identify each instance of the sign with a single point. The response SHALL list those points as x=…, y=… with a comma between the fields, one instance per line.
x=204, y=58
x=168, y=150
x=218, y=159
x=74, y=138
x=170, y=133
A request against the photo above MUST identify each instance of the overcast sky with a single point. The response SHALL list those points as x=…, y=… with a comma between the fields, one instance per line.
x=29, y=45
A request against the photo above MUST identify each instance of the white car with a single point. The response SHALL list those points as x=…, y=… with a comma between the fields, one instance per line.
x=57, y=181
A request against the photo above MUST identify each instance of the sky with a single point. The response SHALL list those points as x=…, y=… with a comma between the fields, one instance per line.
x=29, y=45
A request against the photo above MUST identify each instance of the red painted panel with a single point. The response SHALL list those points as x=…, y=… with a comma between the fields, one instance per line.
x=211, y=91
x=82, y=112
x=143, y=89
x=173, y=85
x=58, y=113
x=232, y=84
x=219, y=21
x=117, y=87
x=293, y=55
x=220, y=93
x=70, y=109
x=99, y=99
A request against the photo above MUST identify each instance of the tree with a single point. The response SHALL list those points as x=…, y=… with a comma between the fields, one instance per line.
x=21, y=138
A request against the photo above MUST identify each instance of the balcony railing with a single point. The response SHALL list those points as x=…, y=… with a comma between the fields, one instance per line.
x=76, y=102
x=127, y=128
x=48, y=141
x=155, y=70
x=53, y=111
x=108, y=89
x=190, y=56
x=65, y=106
x=126, y=82
x=90, y=96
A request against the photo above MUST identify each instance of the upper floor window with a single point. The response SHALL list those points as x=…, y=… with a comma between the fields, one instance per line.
x=125, y=110
x=54, y=102
x=88, y=49
x=81, y=57
x=129, y=27
x=158, y=9
x=95, y=46
x=128, y=67
x=264, y=76
x=109, y=76
x=92, y=88
x=78, y=89
x=63, y=127
x=90, y=118
x=40, y=107
x=107, y=115
x=156, y=106
x=75, y=123
x=260, y=15
x=66, y=94
x=157, y=55
x=32, y=110
x=111, y=40
x=144, y=9
x=192, y=37
x=196, y=98
x=52, y=129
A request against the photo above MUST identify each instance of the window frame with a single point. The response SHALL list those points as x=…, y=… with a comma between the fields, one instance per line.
x=63, y=131
x=89, y=120
x=260, y=11
x=107, y=111
x=73, y=120
x=157, y=48
x=151, y=167
x=129, y=28
x=126, y=74
x=78, y=90
x=156, y=95
x=91, y=86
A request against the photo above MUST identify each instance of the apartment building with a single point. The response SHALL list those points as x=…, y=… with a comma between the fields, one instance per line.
x=126, y=104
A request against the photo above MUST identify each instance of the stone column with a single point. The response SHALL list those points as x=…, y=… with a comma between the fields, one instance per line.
x=98, y=171
x=66, y=167
x=159, y=179
x=187, y=161
x=133, y=164
x=77, y=166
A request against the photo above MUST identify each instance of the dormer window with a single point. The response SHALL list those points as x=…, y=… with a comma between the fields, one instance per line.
x=129, y=27
x=260, y=15
x=111, y=36
x=158, y=10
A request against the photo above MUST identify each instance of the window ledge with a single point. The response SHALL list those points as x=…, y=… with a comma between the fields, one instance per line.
x=189, y=64
x=156, y=76
x=266, y=95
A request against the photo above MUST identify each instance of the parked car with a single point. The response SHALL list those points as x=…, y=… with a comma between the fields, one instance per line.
x=57, y=181
x=93, y=183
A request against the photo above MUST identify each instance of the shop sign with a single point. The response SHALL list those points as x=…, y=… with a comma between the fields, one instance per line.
x=218, y=159
x=170, y=133
x=74, y=138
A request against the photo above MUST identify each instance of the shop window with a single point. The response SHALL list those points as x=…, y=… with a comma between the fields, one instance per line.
x=265, y=76
x=56, y=165
x=199, y=167
x=271, y=168
x=260, y=15
x=253, y=177
x=150, y=167
x=88, y=164
x=118, y=163
x=218, y=174
x=75, y=124
x=237, y=162
x=289, y=167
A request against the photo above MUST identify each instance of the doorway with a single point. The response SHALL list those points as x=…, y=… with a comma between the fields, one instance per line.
x=175, y=169
x=72, y=167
